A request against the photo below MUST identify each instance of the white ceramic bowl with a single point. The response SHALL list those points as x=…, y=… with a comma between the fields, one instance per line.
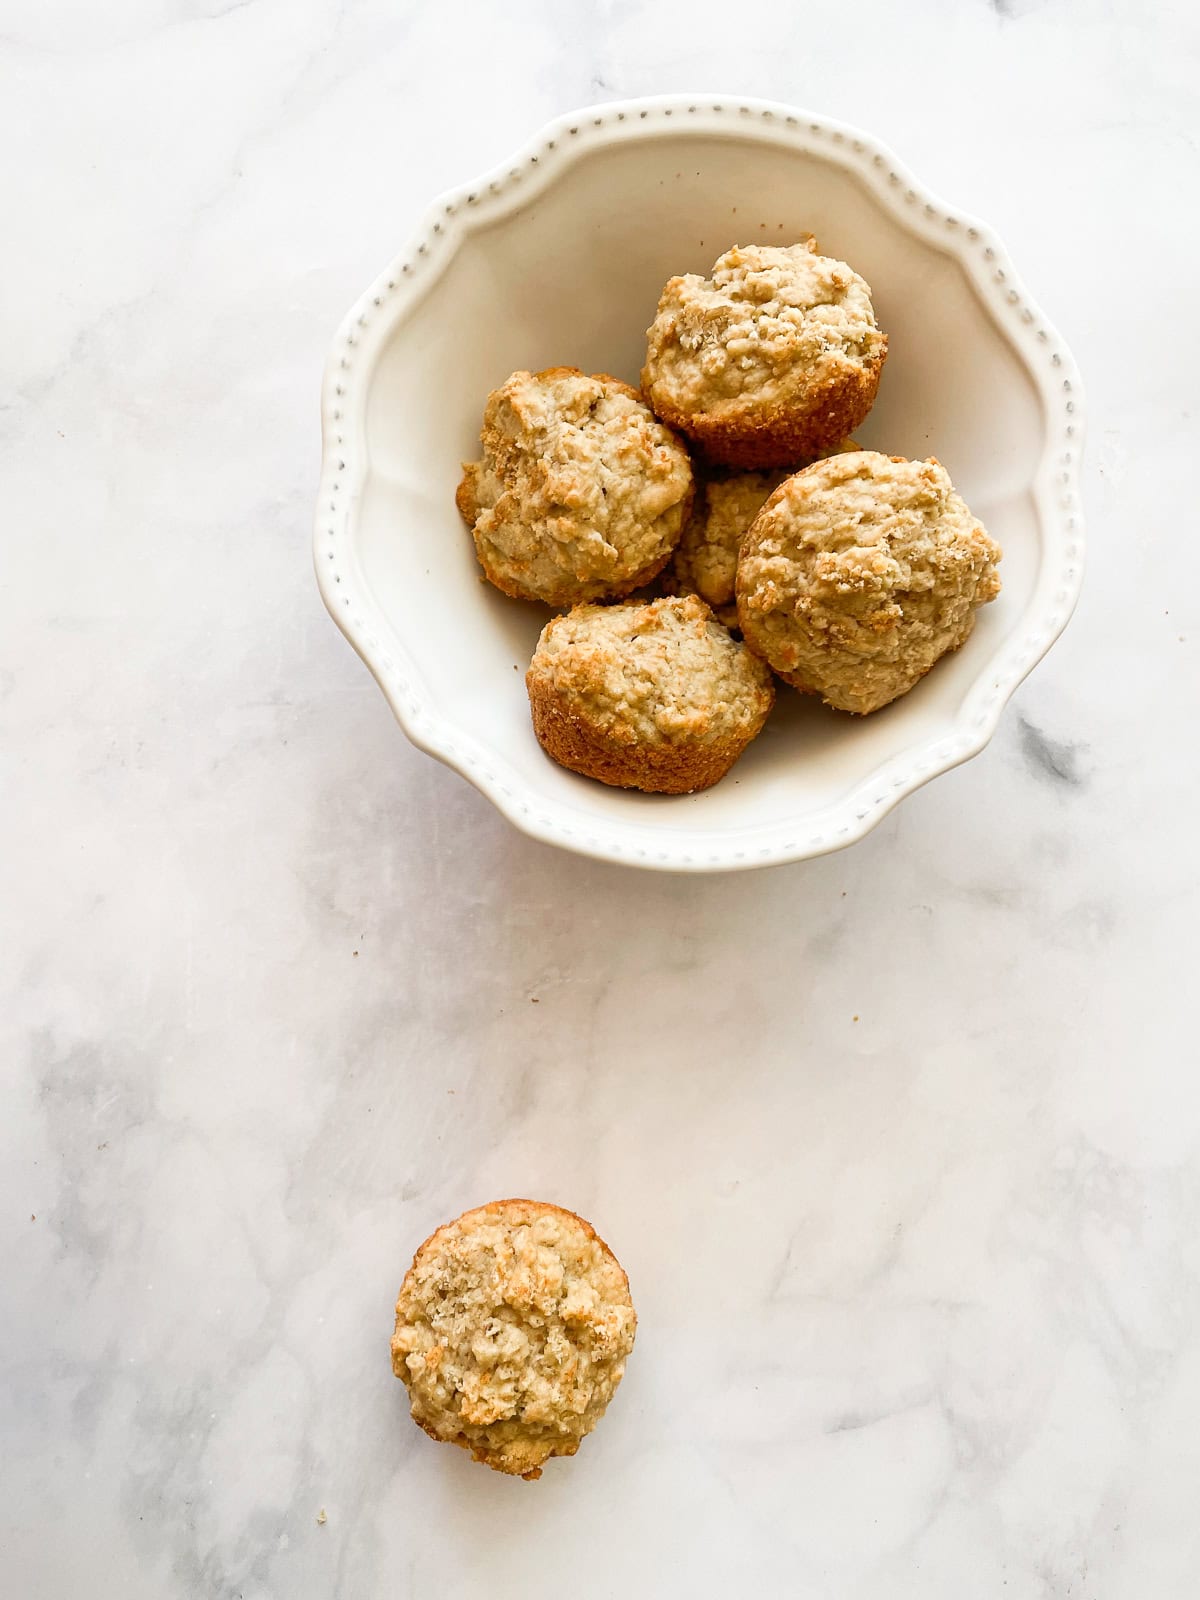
x=557, y=258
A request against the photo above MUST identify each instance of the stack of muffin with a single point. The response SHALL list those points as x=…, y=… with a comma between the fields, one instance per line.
x=771, y=546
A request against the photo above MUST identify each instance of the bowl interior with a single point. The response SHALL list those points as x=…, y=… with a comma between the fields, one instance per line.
x=571, y=276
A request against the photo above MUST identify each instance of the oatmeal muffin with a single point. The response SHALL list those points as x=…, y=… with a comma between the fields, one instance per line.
x=512, y=1329
x=772, y=360
x=860, y=572
x=654, y=696
x=705, y=560
x=581, y=492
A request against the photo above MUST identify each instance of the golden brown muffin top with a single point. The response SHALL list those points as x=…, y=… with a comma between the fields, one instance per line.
x=860, y=572
x=512, y=1329
x=580, y=489
x=659, y=672
x=772, y=323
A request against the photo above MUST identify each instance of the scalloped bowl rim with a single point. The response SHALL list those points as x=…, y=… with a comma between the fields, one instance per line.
x=455, y=214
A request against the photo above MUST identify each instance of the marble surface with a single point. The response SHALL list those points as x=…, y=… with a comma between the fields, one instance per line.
x=900, y=1148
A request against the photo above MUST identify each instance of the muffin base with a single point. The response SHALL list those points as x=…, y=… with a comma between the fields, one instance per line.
x=780, y=435
x=582, y=747
x=570, y=1447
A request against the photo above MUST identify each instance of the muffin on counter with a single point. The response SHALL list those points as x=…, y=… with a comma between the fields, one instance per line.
x=512, y=1330
x=859, y=573
x=773, y=359
x=580, y=494
x=655, y=696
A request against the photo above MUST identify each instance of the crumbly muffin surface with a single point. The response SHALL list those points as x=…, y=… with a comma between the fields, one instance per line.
x=580, y=492
x=706, y=558
x=664, y=672
x=771, y=323
x=859, y=573
x=705, y=562
x=512, y=1329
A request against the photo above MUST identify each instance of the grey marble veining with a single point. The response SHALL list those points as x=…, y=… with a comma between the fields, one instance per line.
x=900, y=1147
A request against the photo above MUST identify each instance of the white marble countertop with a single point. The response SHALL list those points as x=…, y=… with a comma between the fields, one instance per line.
x=900, y=1148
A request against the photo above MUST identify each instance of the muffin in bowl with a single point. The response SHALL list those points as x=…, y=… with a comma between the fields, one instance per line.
x=654, y=695
x=513, y=1326
x=706, y=558
x=859, y=573
x=580, y=493
x=772, y=360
